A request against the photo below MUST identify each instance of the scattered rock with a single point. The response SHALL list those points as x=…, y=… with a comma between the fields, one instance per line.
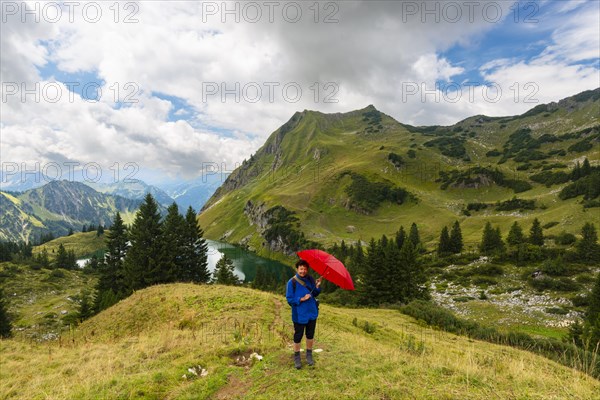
x=195, y=371
x=350, y=228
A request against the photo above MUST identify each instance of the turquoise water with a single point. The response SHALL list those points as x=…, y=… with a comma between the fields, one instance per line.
x=245, y=262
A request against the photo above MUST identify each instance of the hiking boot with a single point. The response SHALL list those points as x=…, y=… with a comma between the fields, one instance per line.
x=309, y=359
x=297, y=361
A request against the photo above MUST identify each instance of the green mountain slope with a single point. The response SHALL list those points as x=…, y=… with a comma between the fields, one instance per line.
x=156, y=344
x=341, y=173
x=57, y=207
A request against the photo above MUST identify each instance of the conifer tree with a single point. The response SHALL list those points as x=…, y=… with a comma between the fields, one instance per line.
x=536, y=236
x=414, y=277
x=111, y=285
x=491, y=242
x=62, y=258
x=195, y=253
x=224, y=272
x=400, y=237
x=576, y=173
x=43, y=259
x=142, y=265
x=373, y=275
x=444, y=246
x=456, y=240
x=587, y=248
x=172, y=241
x=515, y=235
x=414, y=236
x=586, y=168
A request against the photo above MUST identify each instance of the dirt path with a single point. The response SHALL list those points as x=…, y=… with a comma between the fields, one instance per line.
x=277, y=327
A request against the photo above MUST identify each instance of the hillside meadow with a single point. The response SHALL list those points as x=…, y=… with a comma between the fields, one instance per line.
x=184, y=341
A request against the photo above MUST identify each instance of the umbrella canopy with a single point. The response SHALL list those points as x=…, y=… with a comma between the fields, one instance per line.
x=328, y=267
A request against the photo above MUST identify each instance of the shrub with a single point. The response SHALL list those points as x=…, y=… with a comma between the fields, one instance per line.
x=563, y=284
x=565, y=353
x=565, y=238
x=554, y=267
x=557, y=310
x=580, y=300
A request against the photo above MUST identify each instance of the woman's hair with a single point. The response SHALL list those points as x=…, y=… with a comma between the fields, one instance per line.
x=301, y=262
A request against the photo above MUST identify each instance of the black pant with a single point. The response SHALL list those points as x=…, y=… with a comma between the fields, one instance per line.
x=299, y=330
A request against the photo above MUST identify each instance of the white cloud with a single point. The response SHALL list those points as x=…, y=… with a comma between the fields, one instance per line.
x=372, y=53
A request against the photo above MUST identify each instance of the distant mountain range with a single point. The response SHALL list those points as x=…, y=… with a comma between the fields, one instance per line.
x=57, y=207
x=362, y=174
x=194, y=192
x=133, y=189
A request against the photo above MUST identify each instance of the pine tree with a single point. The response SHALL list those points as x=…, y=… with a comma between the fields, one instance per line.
x=444, y=246
x=400, y=237
x=412, y=284
x=224, y=272
x=536, y=236
x=500, y=248
x=62, y=258
x=491, y=241
x=586, y=168
x=100, y=230
x=515, y=235
x=391, y=269
x=357, y=262
x=260, y=279
x=456, y=240
x=576, y=173
x=70, y=232
x=43, y=259
x=5, y=324
x=373, y=276
x=111, y=285
x=414, y=235
x=195, y=253
x=27, y=250
x=142, y=265
x=72, y=260
x=587, y=248
x=343, y=251
x=172, y=241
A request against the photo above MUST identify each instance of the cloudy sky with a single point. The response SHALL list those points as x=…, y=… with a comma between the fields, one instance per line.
x=174, y=86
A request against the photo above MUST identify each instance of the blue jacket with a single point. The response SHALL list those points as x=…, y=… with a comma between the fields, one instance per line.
x=305, y=311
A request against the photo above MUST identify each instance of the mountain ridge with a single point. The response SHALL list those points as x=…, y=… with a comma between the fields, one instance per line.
x=57, y=207
x=306, y=166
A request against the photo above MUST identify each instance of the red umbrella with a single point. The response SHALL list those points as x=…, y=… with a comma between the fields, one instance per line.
x=328, y=267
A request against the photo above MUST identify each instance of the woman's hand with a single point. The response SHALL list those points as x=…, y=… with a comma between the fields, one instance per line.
x=318, y=281
x=306, y=297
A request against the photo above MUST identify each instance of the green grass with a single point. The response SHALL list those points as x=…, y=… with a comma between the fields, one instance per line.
x=39, y=300
x=139, y=348
x=84, y=244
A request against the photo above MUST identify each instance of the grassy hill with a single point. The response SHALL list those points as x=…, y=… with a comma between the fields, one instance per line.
x=84, y=244
x=147, y=345
x=42, y=302
x=308, y=165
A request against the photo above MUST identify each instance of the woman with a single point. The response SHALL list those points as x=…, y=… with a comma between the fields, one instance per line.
x=300, y=293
